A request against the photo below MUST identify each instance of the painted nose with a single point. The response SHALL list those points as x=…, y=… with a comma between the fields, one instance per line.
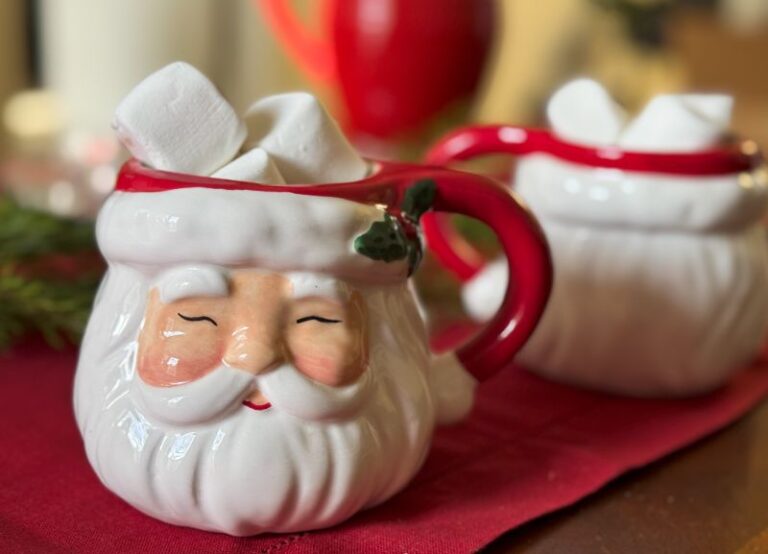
x=252, y=350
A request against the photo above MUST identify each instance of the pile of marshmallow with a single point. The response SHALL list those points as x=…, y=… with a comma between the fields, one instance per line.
x=176, y=120
x=583, y=112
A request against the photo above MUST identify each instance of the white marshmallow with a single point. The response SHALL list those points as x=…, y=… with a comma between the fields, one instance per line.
x=305, y=143
x=255, y=165
x=582, y=111
x=176, y=120
x=714, y=107
x=679, y=123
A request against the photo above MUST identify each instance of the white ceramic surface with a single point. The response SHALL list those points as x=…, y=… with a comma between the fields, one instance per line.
x=661, y=282
x=194, y=454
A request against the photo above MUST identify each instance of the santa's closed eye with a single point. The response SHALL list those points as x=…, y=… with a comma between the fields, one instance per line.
x=197, y=318
x=317, y=318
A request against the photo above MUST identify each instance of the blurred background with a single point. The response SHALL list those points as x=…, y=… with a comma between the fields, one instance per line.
x=395, y=73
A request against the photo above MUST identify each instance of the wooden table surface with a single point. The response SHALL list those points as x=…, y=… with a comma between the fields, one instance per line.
x=709, y=498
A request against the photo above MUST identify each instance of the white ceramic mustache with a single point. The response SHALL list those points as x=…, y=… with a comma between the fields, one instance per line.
x=222, y=391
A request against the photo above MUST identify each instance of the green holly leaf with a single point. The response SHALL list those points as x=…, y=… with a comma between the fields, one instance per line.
x=384, y=240
x=418, y=199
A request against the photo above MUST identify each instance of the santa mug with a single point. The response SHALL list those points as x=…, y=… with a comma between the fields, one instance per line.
x=256, y=361
x=661, y=261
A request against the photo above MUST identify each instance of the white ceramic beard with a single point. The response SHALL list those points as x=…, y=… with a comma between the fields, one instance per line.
x=246, y=471
x=661, y=283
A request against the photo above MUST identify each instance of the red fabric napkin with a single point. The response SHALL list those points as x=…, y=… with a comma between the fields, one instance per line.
x=529, y=448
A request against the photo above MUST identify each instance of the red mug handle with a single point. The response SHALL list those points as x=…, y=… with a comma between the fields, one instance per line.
x=528, y=262
x=314, y=54
x=451, y=249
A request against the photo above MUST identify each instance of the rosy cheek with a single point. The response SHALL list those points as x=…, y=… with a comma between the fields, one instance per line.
x=165, y=362
x=322, y=368
x=331, y=360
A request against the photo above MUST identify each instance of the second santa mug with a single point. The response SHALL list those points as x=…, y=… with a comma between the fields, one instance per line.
x=661, y=260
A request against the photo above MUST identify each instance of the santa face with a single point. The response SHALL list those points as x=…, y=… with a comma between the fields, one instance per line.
x=246, y=401
x=254, y=323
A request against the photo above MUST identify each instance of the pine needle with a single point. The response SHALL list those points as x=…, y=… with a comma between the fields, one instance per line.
x=56, y=307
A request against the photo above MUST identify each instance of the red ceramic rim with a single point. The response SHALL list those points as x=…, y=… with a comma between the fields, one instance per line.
x=470, y=142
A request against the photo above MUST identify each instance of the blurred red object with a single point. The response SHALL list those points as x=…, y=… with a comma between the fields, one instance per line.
x=395, y=63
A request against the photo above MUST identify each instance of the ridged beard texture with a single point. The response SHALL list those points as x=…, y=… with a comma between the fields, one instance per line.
x=659, y=280
x=244, y=471
x=662, y=314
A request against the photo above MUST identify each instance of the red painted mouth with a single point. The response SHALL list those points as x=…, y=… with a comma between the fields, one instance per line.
x=257, y=407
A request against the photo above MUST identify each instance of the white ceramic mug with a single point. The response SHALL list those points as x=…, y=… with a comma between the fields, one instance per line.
x=255, y=360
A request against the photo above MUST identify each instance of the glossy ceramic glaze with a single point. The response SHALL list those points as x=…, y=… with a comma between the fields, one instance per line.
x=251, y=366
x=396, y=63
x=661, y=260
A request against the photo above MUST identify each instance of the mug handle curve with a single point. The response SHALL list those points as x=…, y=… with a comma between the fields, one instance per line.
x=452, y=250
x=528, y=262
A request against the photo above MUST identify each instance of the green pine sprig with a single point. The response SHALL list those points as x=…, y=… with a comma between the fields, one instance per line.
x=54, y=305
x=27, y=234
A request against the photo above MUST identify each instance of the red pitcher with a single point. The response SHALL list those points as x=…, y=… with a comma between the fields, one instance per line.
x=396, y=63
